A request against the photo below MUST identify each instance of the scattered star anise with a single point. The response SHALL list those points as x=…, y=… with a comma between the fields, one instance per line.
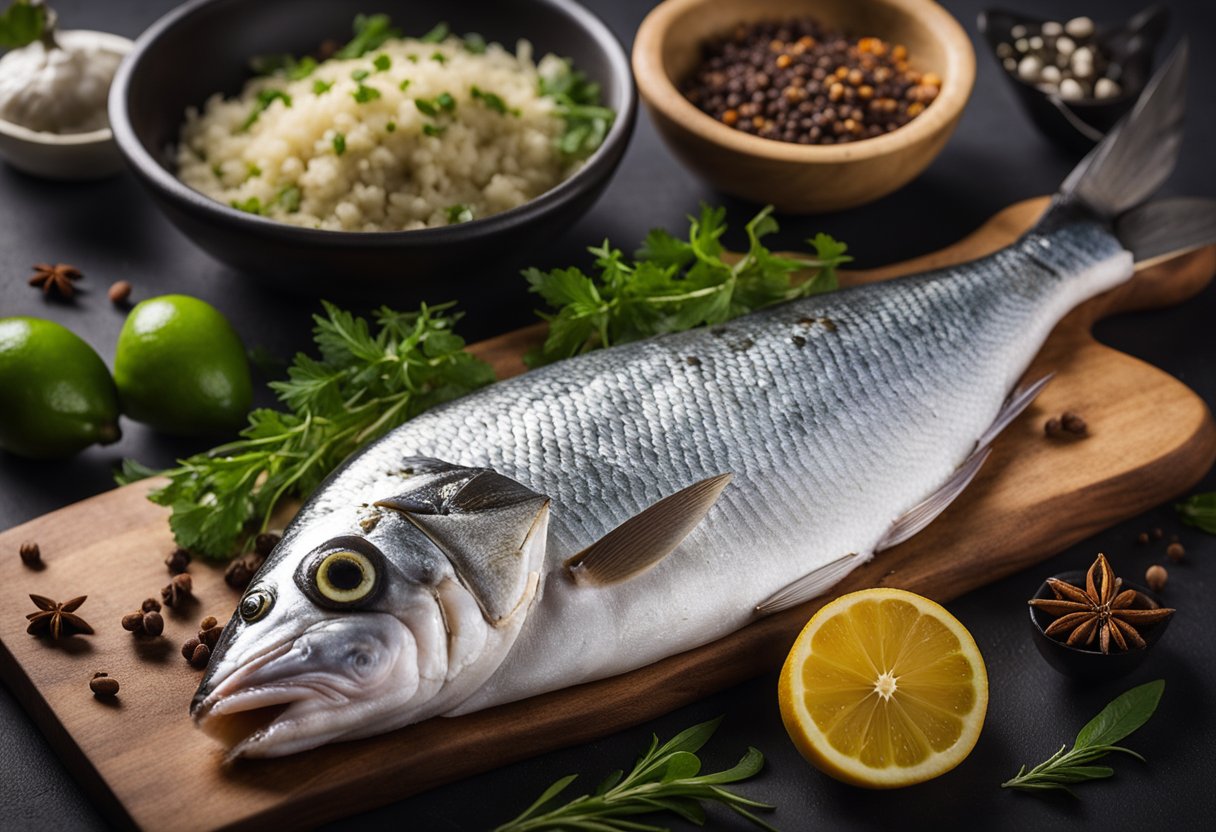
x=56, y=280
x=1100, y=612
x=55, y=619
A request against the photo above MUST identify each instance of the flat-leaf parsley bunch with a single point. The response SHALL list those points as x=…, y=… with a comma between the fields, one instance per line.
x=363, y=385
x=672, y=285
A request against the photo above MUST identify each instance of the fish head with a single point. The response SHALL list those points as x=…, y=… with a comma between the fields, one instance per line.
x=355, y=627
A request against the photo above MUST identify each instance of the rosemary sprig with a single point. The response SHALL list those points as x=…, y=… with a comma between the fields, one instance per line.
x=666, y=778
x=1097, y=739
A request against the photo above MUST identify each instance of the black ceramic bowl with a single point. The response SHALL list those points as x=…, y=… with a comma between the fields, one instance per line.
x=1081, y=124
x=1088, y=664
x=204, y=47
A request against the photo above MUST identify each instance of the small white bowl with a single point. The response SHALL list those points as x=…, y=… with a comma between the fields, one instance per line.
x=69, y=156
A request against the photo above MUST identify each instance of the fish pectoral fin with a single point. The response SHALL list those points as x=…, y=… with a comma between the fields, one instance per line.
x=927, y=510
x=646, y=538
x=811, y=585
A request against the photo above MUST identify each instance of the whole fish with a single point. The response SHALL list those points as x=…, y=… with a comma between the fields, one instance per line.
x=609, y=511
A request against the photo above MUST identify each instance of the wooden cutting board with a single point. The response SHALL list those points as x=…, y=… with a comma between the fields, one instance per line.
x=1151, y=439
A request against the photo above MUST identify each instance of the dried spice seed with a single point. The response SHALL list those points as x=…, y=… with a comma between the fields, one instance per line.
x=133, y=622
x=188, y=648
x=153, y=623
x=265, y=542
x=200, y=656
x=120, y=290
x=797, y=81
x=178, y=590
x=55, y=619
x=177, y=561
x=1074, y=424
x=56, y=280
x=210, y=636
x=1175, y=552
x=31, y=555
x=208, y=622
x=1100, y=612
x=103, y=686
x=1142, y=537
x=1052, y=427
x=1156, y=576
x=150, y=605
x=241, y=571
x=1158, y=534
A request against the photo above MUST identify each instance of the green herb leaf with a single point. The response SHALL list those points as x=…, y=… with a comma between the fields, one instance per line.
x=264, y=99
x=339, y=143
x=253, y=205
x=1117, y=720
x=427, y=107
x=577, y=102
x=22, y=24
x=492, y=101
x=405, y=85
x=320, y=87
x=359, y=74
x=437, y=34
x=433, y=129
x=289, y=199
x=666, y=778
x=364, y=94
x=391, y=127
x=474, y=43
x=1199, y=510
x=459, y=213
x=371, y=31
x=675, y=284
x=382, y=63
x=133, y=471
x=370, y=377
x=439, y=57
x=445, y=101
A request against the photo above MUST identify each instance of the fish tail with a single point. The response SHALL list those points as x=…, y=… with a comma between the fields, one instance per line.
x=1136, y=157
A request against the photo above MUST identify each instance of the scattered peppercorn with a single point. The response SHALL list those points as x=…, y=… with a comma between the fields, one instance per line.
x=178, y=590
x=241, y=571
x=200, y=656
x=150, y=605
x=1158, y=534
x=188, y=648
x=264, y=543
x=177, y=561
x=1175, y=552
x=799, y=81
x=1155, y=577
x=1142, y=537
x=1067, y=425
x=133, y=622
x=103, y=686
x=119, y=292
x=209, y=631
x=154, y=623
x=31, y=555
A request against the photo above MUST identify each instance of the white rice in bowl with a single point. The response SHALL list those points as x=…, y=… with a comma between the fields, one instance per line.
x=411, y=135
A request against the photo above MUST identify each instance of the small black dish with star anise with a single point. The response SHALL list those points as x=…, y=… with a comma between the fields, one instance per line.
x=1085, y=660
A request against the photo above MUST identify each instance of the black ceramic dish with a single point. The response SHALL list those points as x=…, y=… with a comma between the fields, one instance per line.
x=204, y=47
x=1090, y=664
x=1080, y=125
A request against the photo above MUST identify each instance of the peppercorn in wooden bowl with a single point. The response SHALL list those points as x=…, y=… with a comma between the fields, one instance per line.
x=734, y=88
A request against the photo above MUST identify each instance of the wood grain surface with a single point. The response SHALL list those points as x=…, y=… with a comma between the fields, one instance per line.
x=139, y=755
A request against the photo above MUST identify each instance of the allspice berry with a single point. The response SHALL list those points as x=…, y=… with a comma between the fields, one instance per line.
x=133, y=622
x=201, y=655
x=1155, y=577
x=188, y=648
x=31, y=555
x=178, y=590
x=150, y=605
x=153, y=623
x=1175, y=552
x=120, y=290
x=103, y=686
x=177, y=561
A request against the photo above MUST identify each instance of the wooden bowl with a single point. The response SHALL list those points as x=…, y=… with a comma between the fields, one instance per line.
x=799, y=178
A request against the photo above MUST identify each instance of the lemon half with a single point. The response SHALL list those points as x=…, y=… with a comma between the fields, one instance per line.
x=884, y=688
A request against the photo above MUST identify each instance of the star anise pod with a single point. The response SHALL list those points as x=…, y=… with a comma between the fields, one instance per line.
x=1101, y=612
x=56, y=619
x=56, y=280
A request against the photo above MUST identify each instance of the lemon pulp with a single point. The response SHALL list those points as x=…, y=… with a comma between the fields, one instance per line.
x=884, y=688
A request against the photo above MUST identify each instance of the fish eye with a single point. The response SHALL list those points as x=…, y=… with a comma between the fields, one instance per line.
x=345, y=576
x=256, y=604
x=343, y=572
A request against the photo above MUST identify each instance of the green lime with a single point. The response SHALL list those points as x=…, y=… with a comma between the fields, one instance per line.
x=58, y=395
x=180, y=367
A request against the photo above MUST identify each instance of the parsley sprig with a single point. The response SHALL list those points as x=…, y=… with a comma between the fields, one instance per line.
x=364, y=384
x=666, y=778
x=673, y=285
x=1097, y=739
x=22, y=23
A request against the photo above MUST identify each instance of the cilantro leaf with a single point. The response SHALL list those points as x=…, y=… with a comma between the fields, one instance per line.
x=264, y=99
x=437, y=34
x=371, y=31
x=22, y=24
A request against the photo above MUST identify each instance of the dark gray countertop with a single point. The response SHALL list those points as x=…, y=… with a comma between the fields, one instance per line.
x=112, y=231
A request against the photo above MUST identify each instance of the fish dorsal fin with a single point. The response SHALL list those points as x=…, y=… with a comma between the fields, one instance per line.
x=491, y=528
x=646, y=538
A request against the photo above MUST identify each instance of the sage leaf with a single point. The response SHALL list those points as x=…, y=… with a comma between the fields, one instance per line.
x=1122, y=716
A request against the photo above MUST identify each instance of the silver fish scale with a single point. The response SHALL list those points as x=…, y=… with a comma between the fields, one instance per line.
x=828, y=441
